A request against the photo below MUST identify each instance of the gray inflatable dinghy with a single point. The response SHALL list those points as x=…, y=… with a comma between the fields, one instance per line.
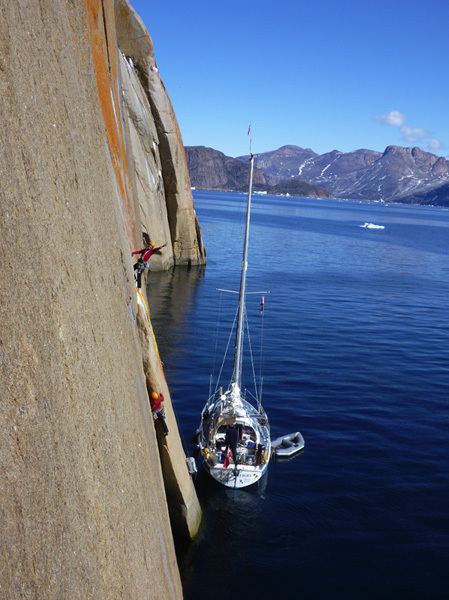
x=287, y=445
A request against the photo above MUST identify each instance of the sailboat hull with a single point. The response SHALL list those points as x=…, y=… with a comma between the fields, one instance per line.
x=240, y=477
x=253, y=450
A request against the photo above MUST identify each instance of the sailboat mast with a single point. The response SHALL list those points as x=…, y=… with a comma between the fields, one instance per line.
x=237, y=374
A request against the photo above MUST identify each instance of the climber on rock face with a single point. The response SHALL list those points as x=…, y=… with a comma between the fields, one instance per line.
x=143, y=261
x=157, y=410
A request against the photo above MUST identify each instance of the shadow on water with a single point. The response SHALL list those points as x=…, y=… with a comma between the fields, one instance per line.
x=228, y=516
x=170, y=296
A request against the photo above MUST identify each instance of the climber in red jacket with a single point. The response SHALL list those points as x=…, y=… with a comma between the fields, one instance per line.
x=143, y=260
x=157, y=410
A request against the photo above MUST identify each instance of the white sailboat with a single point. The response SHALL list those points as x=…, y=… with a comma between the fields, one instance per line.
x=231, y=410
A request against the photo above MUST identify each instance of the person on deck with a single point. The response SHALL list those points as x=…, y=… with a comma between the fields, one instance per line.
x=157, y=410
x=259, y=455
x=231, y=440
x=143, y=260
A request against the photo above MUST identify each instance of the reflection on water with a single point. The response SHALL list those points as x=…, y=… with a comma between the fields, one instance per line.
x=170, y=296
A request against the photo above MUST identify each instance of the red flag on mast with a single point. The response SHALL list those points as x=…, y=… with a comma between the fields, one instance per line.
x=262, y=303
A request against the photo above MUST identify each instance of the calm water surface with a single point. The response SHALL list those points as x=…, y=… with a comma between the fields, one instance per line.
x=355, y=339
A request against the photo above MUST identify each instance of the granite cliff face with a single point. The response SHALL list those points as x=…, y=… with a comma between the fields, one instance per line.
x=155, y=167
x=91, y=166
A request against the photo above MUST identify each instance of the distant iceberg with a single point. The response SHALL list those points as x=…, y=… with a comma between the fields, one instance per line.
x=372, y=226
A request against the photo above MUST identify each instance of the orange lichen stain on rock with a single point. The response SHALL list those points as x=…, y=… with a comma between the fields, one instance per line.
x=100, y=20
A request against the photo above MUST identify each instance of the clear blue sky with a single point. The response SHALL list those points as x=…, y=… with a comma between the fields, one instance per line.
x=321, y=74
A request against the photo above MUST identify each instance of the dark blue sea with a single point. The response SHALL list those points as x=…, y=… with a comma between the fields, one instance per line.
x=353, y=345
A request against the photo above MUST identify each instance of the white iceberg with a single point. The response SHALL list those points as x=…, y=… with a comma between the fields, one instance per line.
x=372, y=226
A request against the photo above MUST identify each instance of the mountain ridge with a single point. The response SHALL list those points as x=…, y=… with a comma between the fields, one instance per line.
x=213, y=170
x=399, y=174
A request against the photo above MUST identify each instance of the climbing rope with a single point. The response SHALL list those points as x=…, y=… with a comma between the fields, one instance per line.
x=151, y=329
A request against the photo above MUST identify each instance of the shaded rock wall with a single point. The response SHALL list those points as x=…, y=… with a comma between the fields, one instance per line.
x=154, y=148
x=83, y=508
x=185, y=513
